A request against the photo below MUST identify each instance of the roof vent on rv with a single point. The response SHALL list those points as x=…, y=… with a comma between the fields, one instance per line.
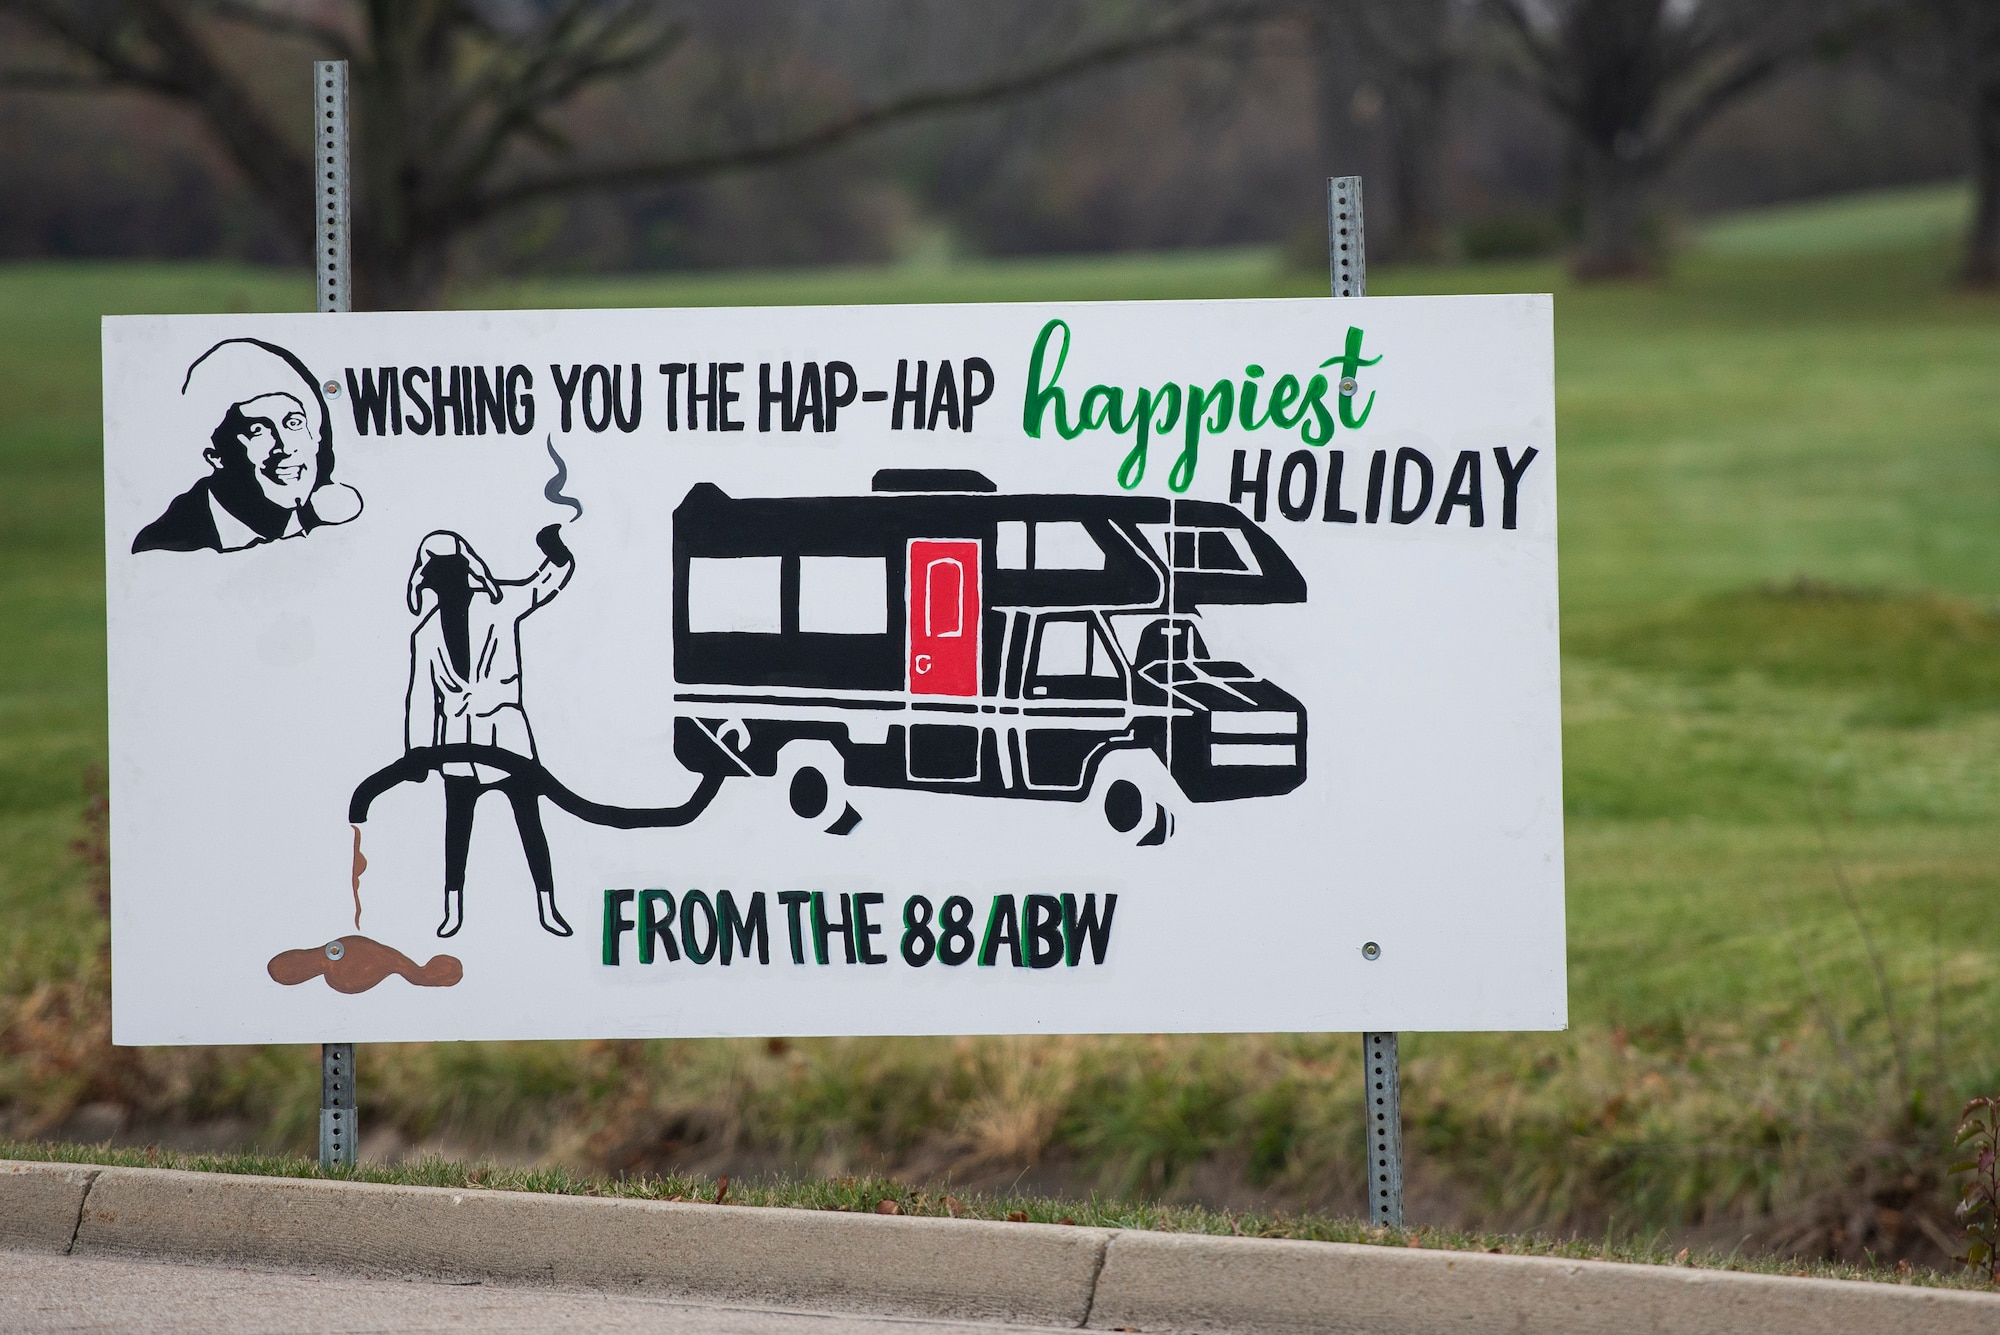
x=931, y=479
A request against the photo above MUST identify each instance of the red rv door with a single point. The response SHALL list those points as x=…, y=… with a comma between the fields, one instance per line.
x=944, y=616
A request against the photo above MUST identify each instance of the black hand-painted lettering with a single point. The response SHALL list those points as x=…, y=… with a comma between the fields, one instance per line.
x=1511, y=474
x=566, y=390
x=1240, y=485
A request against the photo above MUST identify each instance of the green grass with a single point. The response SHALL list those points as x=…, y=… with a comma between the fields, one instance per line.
x=1238, y=272
x=1780, y=491
x=871, y=1195
x=1844, y=225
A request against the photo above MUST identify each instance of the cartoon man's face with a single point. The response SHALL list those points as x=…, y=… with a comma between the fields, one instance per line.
x=279, y=447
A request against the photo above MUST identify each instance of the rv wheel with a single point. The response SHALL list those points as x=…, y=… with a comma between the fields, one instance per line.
x=1131, y=809
x=1124, y=806
x=808, y=792
x=815, y=789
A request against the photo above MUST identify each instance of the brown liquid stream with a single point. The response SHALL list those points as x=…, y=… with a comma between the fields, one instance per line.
x=355, y=963
x=360, y=865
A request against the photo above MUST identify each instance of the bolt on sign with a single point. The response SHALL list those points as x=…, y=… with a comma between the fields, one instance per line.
x=1165, y=666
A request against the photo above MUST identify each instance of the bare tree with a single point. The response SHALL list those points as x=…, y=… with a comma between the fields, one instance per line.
x=461, y=105
x=1421, y=49
x=1971, y=31
x=1950, y=49
x=1635, y=81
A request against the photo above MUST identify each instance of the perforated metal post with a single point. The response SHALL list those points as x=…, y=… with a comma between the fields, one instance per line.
x=330, y=228
x=1384, y=1114
x=1382, y=1109
x=337, y=1124
x=1346, y=252
x=336, y=1104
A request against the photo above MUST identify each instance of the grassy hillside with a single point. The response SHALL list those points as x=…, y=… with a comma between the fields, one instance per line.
x=1780, y=490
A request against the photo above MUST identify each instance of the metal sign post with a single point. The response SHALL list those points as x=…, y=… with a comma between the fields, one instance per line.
x=337, y=1113
x=1347, y=262
x=330, y=249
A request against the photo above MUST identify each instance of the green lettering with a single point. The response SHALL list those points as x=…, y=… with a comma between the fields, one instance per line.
x=1315, y=403
x=656, y=924
x=1350, y=362
x=1133, y=469
x=616, y=924
x=1222, y=395
x=1003, y=928
x=1246, y=411
x=1134, y=466
x=1282, y=396
x=1039, y=397
x=1293, y=403
x=1350, y=359
x=1171, y=396
x=1100, y=405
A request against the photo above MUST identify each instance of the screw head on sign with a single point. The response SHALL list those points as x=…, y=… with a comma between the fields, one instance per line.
x=1369, y=951
x=332, y=388
x=334, y=950
x=1349, y=386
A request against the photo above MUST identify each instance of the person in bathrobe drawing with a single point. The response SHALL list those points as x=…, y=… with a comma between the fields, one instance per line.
x=465, y=687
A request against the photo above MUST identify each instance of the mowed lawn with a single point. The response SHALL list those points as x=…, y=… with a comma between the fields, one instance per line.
x=1780, y=529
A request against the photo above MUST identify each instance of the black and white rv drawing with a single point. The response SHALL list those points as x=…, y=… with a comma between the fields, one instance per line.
x=936, y=634
x=932, y=634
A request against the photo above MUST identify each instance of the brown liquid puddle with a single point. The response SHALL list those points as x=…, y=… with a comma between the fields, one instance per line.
x=353, y=964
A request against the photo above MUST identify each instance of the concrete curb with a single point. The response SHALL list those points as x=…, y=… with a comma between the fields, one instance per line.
x=965, y=1270
x=1038, y=1274
x=40, y=1204
x=1179, y=1281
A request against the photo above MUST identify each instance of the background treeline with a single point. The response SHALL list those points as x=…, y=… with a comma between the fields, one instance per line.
x=1220, y=139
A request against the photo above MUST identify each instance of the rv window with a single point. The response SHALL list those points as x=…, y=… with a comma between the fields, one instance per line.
x=1065, y=650
x=1010, y=547
x=843, y=595
x=1066, y=545
x=1074, y=661
x=734, y=594
x=1207, y=549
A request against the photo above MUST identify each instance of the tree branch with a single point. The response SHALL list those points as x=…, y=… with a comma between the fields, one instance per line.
x=102, y=43
x=840, y=129
x=1689, y=121
x=1550, y=85
x=252, y=15
x=184, y=69
x=552, y=74
x=53, y=81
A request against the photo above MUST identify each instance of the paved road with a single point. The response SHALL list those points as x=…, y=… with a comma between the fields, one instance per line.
x=44, y=1294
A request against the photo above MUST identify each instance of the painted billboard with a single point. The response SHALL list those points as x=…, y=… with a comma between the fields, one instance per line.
x=1018, y=668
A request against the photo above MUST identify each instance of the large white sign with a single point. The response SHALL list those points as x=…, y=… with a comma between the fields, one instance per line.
x=875, y=670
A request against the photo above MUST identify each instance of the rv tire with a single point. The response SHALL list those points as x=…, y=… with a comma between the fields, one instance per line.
x=1131, y=788
x=808, y=792
x=815, y=786
x=1124, y=805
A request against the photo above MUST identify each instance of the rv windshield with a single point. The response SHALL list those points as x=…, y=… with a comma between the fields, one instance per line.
x=1177, y=646
x=1227, y=671
x=1176, y=639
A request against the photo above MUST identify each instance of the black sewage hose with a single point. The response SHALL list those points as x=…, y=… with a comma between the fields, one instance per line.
x=420, y=761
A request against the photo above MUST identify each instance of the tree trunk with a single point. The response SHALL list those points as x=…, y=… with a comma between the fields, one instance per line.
x=1982, y=243
x=1417, y=133
x=1615, y=192
x=402, y=278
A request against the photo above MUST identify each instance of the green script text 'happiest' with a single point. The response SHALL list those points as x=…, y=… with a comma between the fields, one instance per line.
x=1195, y=407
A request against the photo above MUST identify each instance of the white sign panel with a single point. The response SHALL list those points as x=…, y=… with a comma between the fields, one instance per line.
x=1171, y=666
